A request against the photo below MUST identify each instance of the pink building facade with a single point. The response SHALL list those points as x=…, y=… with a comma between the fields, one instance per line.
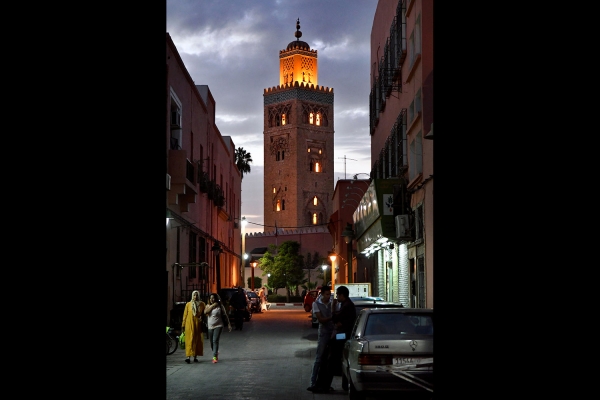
x=203, y=191
x=399, y=233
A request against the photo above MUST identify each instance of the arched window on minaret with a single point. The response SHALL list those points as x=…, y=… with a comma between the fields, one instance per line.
x=315, y=202
x=282, y=154
x=317, y=167
x=277, y=119
x=320, y=218
x=311, y=166
x=324, y=121
x=314, y=218
x=278, y=205
x=311, y=118
x=283, y=204
x=318, y=123
x=282, y=119
x=305, y=117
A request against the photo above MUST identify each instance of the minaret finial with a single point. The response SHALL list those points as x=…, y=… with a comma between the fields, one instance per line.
x=298, y=34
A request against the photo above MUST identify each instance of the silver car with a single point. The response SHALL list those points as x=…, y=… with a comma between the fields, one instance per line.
x=389, y=351
x=360, y=303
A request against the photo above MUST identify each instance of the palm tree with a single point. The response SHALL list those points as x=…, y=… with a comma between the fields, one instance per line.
x=242, y=160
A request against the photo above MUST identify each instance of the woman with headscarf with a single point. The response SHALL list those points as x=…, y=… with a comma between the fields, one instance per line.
x=192, y=318
x=217, y=319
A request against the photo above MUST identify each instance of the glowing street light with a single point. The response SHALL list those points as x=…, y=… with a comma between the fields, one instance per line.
x=254, y=264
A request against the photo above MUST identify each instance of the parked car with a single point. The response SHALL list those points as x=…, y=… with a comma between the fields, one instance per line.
x=360, y=304
x=389, y=352
x=254, y=301
x=309, y=298
x=225, y=295
x=366, y=298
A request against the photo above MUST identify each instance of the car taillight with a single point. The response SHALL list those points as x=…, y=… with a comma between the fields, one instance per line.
x=370, y=359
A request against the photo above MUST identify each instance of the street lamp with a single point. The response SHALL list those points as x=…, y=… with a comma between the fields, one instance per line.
x=348, y=235
x=243, y=266
x=254, y=264
x=332, y=257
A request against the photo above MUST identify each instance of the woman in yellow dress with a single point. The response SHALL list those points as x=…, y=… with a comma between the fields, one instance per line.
x=194, y=339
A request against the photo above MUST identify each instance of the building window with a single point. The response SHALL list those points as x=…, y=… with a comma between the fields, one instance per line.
x=318, y=123
x=311, y=118
x=416, y=157
x=278, y=207
x=317, y=167
x=315, y=200
x=283, y=204
x=282, y=119
x=274, y=191
x=314, y=218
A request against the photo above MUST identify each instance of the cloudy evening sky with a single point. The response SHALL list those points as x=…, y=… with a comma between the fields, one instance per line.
x=233, y=47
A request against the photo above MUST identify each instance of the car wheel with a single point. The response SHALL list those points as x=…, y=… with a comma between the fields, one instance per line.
x=353, y=394
x=307, y=308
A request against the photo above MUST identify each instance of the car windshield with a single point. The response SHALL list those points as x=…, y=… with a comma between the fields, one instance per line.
x=398, y=323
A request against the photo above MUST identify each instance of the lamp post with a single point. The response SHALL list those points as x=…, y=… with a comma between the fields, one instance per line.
x=348, y=235
x=254, y=264
x=332, y=257
x=217, y=250
x=243, y=266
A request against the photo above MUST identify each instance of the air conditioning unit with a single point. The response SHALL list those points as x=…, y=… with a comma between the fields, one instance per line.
x=168, y=182
x=402, y=229
x=176, y=118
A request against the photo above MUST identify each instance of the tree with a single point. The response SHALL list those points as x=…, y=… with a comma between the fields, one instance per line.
x=242, y=160
x=284, y=263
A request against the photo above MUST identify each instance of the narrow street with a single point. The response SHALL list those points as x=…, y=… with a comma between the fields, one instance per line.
x=271, y=358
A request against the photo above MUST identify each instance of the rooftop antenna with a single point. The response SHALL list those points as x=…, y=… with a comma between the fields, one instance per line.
x=345, y=158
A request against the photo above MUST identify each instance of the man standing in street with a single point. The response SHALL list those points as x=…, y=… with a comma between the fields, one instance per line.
x=239, y=304
x=323, y=311
x=343, y=319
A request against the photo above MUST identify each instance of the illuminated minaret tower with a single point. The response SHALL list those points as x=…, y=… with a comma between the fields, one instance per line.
x=298, y=142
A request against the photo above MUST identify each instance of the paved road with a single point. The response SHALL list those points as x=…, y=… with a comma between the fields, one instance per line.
x=271, y=358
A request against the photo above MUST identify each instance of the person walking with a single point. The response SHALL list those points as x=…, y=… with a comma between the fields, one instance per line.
x=322, y=308
x=343, y=318
x=263, y=298
x=240, y=304
x=192, y=318
x=216, y=319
